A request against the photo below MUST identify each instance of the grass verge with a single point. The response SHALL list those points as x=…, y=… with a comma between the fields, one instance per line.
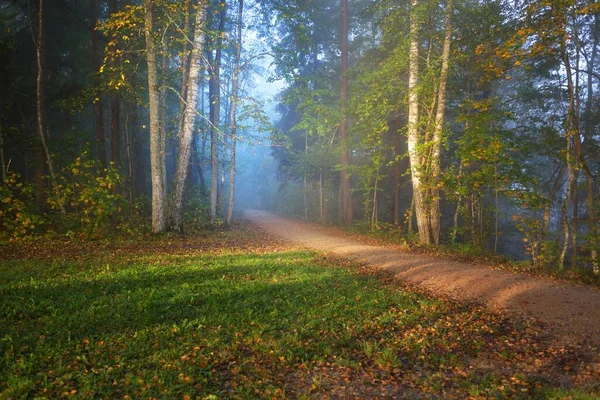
x=206, y=321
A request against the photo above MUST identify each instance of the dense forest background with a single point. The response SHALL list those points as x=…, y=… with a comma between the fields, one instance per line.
x=468, y=124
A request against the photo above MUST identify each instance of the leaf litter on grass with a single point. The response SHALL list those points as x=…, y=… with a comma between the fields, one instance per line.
x=240, y=315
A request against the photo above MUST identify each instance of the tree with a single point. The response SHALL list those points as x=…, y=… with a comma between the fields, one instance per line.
x=185, y=140
x=345, y=154
x=438, y=126
x=416, y=165
x=215, y=110
x=233, y=109
x=157, y=171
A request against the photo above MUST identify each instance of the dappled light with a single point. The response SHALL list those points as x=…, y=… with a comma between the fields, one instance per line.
x=299, y=199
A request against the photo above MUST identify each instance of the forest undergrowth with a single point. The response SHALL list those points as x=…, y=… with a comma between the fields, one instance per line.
x=236, y=313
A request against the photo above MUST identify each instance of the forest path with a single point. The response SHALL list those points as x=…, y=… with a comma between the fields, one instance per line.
x=571, y=313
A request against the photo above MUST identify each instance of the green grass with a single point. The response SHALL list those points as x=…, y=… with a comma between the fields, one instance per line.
x=246, y=325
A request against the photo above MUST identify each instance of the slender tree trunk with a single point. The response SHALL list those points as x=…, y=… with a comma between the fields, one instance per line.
x=413, y=127
x=397, y=180
x=374, y=220
x=41, y=182
x=347, y=209
x=215, y=104
x=2, y=160
x=98, y=108
x=129, y=155
x=592, y=220
x=156, y=164
x=185, y=65
x=138, y=153
x=164, y=137
x=306, y=178
x=439, y=124
x=42, y=123
x=115, y=106
x=233, y=109
x=185, y=141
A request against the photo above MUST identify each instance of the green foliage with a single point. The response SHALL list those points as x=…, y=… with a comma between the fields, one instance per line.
x=89, y=195
x=196, y=216
x=18, y=217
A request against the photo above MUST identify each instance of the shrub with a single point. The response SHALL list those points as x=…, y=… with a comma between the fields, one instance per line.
x=18, y=216
x=88, y=194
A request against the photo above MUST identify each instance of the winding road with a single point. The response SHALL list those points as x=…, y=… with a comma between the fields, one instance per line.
x=570, y=312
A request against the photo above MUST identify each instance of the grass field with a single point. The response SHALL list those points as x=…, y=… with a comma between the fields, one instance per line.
x=212, y=319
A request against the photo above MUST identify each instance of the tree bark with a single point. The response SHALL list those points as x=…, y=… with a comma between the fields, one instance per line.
x=41, y=117
x=115, y=106
x=233, y=109
x=98, y=108
x=156, y=164
x=347, y=210
x=215, y=117
x=413, y=127
x=185, y=65
x=438, y=126
x=185, y=140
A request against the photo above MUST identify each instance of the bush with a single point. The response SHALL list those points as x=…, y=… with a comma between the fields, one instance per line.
x=18, y=216
x=87, y=193
x=196, y=214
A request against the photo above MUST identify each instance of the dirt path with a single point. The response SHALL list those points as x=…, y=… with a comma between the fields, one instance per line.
x=572, y=313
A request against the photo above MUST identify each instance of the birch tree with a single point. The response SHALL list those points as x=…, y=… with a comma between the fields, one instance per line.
x=187, y=131
x=158, y=174
x=413, y=127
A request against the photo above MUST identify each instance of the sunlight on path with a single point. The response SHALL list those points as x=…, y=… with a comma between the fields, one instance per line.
x=572, y=313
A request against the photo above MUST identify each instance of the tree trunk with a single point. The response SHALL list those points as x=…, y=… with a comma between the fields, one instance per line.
x=2, y=160
x=185, y=141
x=397, y=181
x=215, y=118
x=164, y=139
x=347, y=211
x=115, y=106
x=98, y=108
x=306, y=178
x=592, y=220
x=41, y=117
x=438, y=126
x=156, y=164
x=413, y=127
x=233, y=108
x=185, y=65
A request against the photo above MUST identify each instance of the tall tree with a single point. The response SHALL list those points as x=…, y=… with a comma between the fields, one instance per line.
x=413, y=127
x=233, y=108
x=185, y=140
x=156, y=165
x=115, y=103
x=96, y=64
x=41, y=100
x=215, y=110
x=438, y=126
x=346, y=198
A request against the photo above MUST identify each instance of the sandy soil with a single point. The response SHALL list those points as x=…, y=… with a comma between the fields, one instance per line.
x=571, y=313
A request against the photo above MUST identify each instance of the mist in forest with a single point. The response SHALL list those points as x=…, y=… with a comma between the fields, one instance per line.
x=398, y=117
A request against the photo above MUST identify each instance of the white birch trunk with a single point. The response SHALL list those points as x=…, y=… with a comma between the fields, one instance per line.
x=187, y=131
x=439, y=124
x=413, y=127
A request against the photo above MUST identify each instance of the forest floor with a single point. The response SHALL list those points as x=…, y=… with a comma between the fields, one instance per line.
x=241, y=313
x=569, y=313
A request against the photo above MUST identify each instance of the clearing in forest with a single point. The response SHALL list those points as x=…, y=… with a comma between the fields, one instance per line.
x=239, y=314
